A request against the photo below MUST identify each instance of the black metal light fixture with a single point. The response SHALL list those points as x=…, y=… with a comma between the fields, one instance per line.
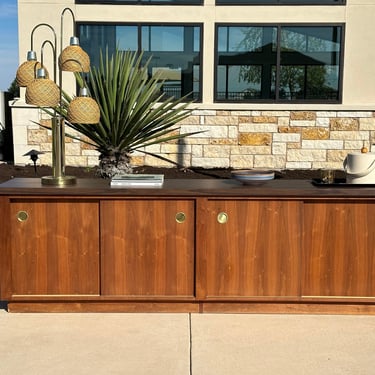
x=34, y=156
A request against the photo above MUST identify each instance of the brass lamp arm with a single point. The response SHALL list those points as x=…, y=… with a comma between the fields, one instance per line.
x=62, y=25
x=54, y=56
x=36, y=27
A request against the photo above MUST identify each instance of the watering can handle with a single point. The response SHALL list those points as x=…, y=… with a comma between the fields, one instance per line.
x=360, y=174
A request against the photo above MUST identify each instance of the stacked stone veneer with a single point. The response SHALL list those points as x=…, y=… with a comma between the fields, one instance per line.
x=244, y=139
x=272, y=139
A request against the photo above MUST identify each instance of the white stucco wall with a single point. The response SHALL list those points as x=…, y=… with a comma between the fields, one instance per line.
x=358, y=79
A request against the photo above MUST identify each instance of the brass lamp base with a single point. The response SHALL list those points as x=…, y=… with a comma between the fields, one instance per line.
x=59, y=181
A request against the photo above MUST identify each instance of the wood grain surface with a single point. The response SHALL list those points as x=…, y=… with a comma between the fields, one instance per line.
x=255, y=253
x=145, y=251
x=56, y=250
x=338, y=249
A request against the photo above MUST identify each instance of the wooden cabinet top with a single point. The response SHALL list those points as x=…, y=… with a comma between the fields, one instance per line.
x=278, y=188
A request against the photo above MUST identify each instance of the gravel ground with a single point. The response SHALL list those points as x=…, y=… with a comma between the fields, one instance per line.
x=8, y=171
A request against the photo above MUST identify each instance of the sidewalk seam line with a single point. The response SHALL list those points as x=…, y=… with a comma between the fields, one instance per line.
x=190, y=347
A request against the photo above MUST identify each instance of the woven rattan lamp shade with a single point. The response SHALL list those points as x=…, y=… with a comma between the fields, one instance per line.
x=74, y=59
x=42, y=92
x=83, y=110
x=26, y=72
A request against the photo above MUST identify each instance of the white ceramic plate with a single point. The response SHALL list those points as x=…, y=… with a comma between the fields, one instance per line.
x=251, y=176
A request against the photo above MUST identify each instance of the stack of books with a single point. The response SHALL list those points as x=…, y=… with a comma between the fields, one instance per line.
x=138, y=180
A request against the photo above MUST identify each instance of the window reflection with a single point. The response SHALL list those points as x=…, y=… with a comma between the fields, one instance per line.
x=135, y=2
x=294, y=2
x=174, y=51
x=278, y=63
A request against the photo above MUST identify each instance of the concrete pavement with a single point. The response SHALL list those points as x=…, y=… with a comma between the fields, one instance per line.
x=186, y=344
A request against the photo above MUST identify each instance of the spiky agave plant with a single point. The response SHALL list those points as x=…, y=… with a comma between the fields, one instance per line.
x=133, y=111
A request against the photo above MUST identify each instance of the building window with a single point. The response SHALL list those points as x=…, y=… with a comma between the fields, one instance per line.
x=142, y=2
x=174, y=51
x=281, y=2
x=278, y=63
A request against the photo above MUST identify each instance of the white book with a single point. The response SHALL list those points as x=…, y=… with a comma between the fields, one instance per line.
x=138, y=180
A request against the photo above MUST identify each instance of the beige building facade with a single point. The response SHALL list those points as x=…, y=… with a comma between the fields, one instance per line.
x=277, y=134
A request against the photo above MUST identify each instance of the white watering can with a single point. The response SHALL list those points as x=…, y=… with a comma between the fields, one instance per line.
x=360, y=167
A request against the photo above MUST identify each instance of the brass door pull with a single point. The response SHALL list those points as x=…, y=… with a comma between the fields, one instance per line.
x=222, y=217
x=22, y=216
x=180, y=217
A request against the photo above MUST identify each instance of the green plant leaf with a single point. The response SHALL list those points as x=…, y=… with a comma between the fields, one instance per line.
x=133, y=110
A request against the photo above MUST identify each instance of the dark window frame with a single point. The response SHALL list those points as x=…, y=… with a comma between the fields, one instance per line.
x=139, y=26
x=277, y=99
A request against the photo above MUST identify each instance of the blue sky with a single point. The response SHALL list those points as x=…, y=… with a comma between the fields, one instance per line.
x=8, y=43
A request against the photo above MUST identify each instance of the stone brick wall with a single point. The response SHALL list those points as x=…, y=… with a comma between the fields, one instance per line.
x=270, y=139
x=238, y=139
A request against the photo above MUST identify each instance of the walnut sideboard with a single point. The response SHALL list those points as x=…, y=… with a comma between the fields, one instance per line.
x=194, y=245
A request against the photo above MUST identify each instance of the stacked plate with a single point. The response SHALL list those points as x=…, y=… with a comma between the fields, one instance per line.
x=253, y=176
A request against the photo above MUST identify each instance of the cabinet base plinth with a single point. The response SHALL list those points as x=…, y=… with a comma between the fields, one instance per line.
x=192, y=307
x=97, y=307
